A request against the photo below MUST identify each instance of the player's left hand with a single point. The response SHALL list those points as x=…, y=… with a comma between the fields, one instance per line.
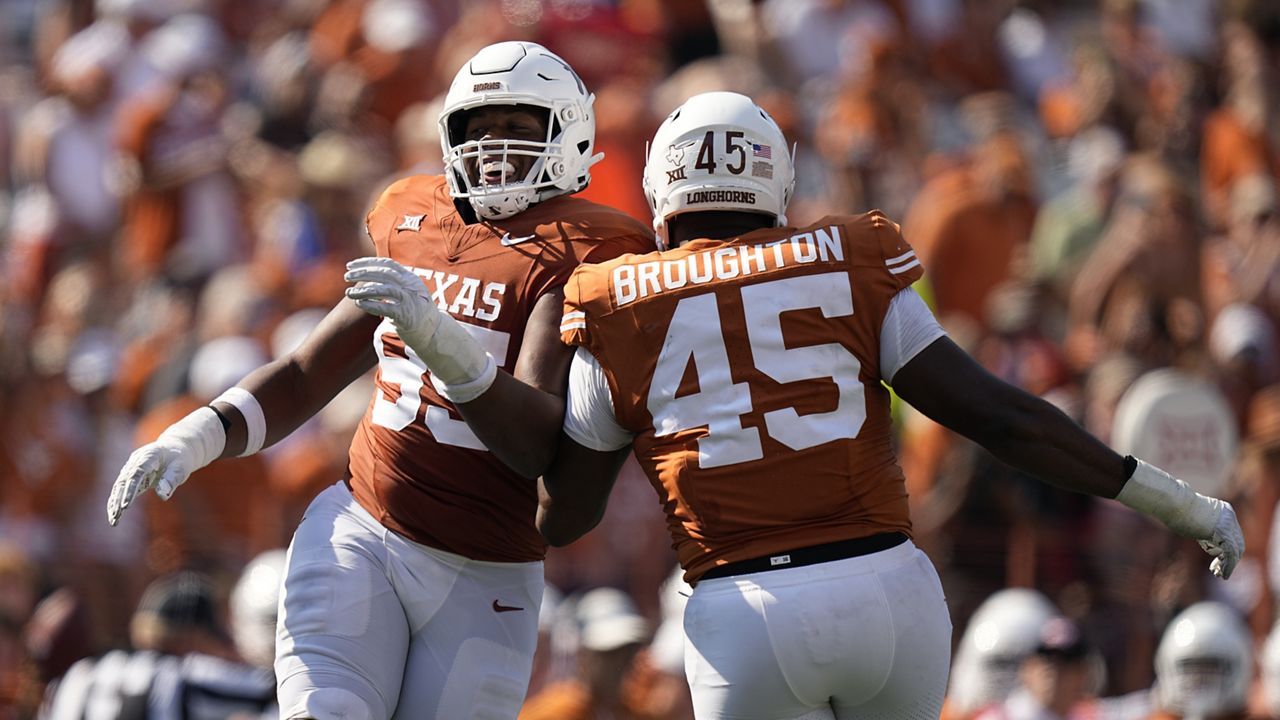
x=1225, y=543
x=385, y=288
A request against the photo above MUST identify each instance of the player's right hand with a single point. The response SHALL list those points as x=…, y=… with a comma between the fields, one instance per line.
x=1225, y=543
x=154, y=465
x=184, y=447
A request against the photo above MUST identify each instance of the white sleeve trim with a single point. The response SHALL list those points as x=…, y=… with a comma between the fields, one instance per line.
x=589, y=417
x=909, y=327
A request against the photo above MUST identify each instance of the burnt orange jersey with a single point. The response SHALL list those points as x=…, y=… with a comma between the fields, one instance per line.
x=749, y=370
x=415, y=465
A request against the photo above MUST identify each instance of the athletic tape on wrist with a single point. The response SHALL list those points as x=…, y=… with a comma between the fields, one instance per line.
x=468, y=391
x=199, y=434
x=1171, y=501
x=251, y=411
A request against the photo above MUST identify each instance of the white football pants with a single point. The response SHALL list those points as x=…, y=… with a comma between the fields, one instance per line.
x=374, y=626
x=865, y=637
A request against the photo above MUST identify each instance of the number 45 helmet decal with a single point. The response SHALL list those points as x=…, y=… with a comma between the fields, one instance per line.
x=718, y=151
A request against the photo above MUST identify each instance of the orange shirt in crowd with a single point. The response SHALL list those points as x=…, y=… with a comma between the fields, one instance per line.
x=968, y=230
x=571, y=700
x=1228, y=152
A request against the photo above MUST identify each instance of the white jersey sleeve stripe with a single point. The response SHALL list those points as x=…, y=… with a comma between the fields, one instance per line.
x=901, y=258
x=909, y=327
x=589, y=416
x=903, y=268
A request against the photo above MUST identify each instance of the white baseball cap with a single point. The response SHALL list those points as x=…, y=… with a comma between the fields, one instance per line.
x=609, y=620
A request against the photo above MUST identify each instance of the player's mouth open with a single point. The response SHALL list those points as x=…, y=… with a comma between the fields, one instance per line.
x=496, y=172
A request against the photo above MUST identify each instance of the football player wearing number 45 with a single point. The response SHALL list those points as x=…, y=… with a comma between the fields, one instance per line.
x=412, y=587
x=744, y=365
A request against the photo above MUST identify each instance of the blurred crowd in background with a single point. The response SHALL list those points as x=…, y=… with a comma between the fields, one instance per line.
x=1090, y=185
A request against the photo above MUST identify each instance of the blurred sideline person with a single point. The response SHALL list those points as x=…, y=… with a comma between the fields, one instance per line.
x=412, y=585
x=1204, y=665
x=1001, y=634
x=182, y=666
x=254, y=605
x=1053, y=679
x=745, y=369
x=610, y=633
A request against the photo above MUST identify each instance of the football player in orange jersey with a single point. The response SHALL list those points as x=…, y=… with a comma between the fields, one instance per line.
x=412, y=586
x=744, y=366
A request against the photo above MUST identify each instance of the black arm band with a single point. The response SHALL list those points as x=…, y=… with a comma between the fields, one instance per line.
x=226, y=424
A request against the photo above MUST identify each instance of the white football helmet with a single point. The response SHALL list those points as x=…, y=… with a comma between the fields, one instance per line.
x=1003, y=631
x=254, y=601
x=718, y=151
x=519, y=73
x=1204, y=662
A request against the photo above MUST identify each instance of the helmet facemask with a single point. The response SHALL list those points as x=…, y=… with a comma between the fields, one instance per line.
x=1202, y=687
x=513, y=191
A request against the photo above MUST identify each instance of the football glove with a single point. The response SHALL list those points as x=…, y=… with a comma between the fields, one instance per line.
x=1209, y=520
x=385, y=288
x=184, y=447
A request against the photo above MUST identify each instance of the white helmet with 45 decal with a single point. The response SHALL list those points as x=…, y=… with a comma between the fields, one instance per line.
x=528, y=75
x=718, y=151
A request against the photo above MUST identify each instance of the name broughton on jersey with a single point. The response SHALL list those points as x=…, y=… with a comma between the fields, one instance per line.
x=632, y=282
x=462, y=299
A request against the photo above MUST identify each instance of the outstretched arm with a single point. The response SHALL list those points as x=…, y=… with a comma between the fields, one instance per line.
x=1024, y=431
x=1020, y=429
x=297, y=386
x=264, y=407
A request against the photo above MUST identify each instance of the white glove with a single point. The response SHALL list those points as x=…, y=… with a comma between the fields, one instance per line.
x=385, y=288
x=1226, y=542
x=1188, y=513
x=184, y=447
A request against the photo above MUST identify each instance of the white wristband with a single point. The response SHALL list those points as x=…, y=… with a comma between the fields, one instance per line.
x=468, y=391
x=1171, y=501
x=255, y=422
x=199, y=435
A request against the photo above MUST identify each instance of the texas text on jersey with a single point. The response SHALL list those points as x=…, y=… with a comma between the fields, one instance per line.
x=729, y=341
x=415, y=465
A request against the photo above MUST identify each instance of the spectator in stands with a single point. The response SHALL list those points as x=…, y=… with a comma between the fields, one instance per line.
x=611, y=632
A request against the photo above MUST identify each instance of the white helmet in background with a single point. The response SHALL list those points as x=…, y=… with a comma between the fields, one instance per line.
x=718, y=151
x=519, y=73
x=1204, y=662
x=1003, y=631
x=254, y=602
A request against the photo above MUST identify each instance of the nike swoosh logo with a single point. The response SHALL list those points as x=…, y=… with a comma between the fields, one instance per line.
x=508, y=241
x=498, y=607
